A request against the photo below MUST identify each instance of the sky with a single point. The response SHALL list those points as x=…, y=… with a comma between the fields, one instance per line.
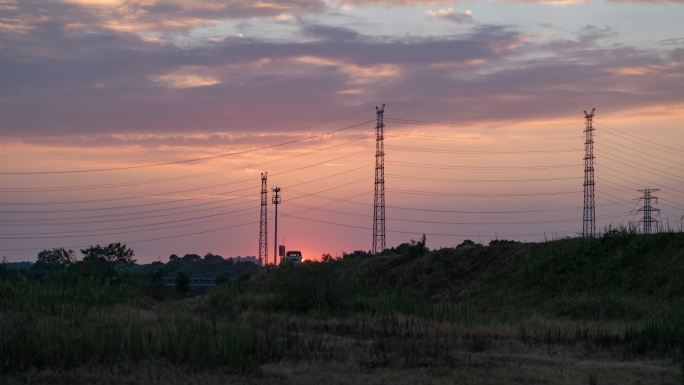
x=150, y=122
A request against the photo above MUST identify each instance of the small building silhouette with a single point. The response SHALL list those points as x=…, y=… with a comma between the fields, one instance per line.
x=194, y=283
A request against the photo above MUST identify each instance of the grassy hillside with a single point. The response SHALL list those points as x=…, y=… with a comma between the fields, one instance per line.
x=571, y=311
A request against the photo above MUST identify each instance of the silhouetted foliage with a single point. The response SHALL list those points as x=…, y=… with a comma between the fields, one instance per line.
x=190, y=258
x=114, y=252
x=157, y=277
x=466, y=244
x=356, y=254
x=95, y=267
x=502, y=242
x=327, y=258
x=182, y=282
x=57, y=256
x=213, y=258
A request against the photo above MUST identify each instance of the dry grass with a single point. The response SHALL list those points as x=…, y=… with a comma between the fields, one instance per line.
x=475, y=370
x=591, y=318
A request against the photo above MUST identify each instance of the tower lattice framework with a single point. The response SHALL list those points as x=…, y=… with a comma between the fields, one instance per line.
x=379, y=198
x=263, y=220
x=648, y=209
x=589, y=215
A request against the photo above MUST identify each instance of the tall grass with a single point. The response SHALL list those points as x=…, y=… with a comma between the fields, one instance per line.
x=46, y=342
x=51, y=325
x=56, y=299
x=621, y=290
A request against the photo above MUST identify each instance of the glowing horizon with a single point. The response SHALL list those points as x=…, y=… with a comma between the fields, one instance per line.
x=479, y=95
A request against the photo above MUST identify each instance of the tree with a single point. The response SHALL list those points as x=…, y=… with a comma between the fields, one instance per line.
x=467, y=244
x=327, y=257
x=56, y=257
x=502, y=242
x=213, y=258
x=421, y=244
x=182, y=282
x=114, y=252
x=191, y=258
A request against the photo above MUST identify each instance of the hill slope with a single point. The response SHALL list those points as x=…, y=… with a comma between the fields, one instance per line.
x=601, y=311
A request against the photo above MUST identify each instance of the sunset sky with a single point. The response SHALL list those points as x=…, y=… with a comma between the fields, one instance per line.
x=149, y=122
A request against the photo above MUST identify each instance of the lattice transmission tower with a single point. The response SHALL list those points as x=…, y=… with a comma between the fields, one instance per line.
x=263, y=220
x=379, y=197
x=648, y=209
x=589, y=215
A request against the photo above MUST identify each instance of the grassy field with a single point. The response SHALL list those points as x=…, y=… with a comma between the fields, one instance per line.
x=603, y=311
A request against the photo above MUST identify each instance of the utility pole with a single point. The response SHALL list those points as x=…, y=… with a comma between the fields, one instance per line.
x=379, y=198
x=276, y=201
x=648, y=209
x=589, y=214
x=263, y=221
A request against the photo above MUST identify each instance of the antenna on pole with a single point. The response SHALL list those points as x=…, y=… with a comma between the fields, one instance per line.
x=379, y=197
x=276, y=201
x=648, y=209
x=263, y=221
x=589, y=214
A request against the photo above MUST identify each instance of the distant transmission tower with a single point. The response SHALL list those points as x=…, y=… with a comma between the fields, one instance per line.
x=648, y=209
x=276, y=201
x=379, y=199
x=263, y=221
x=589, y=216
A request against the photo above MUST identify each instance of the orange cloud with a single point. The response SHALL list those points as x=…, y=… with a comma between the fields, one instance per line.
x=357, y=74
x=180, y=80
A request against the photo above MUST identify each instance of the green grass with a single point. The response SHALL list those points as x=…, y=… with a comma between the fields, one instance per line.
x=622, y=294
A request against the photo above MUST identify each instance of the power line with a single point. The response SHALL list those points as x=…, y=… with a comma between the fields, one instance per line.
x=633, y=153
x=277, y=160
x=158, y=194
x=625, y=162
x=628, y=143
x=641, y=180
x=642, y=140
x=480, y=168
x=103, y=186
x=111, y=217
x=414, y=232
x=466, y=152
x=192, y=160
x=413, y=220
x=176, y=224
x=439, y=193
x=96, y=232
x=526, y=180
x=182, y=235
x=455, y=211
x=460, y=124
x=485, y=138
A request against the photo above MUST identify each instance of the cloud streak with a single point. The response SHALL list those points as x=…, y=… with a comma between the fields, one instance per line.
x=64, y=80
x=464, y=17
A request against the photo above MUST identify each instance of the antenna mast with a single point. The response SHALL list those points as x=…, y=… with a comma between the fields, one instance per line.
x=276, y=201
